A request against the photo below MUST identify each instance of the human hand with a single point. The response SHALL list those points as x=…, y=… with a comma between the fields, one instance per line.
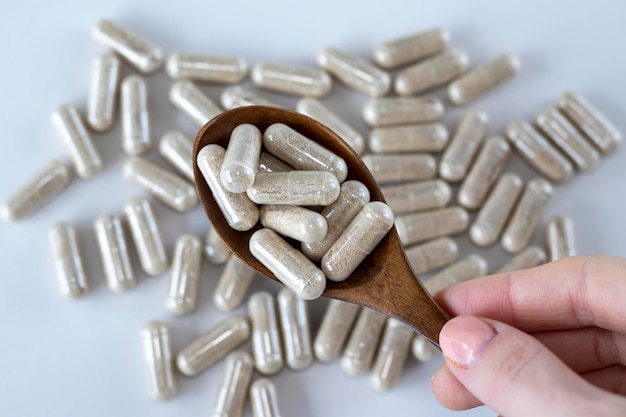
x=550, y=341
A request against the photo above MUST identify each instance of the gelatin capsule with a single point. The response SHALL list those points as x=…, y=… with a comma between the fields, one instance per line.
x=432, y=255
x=419, y=227
x=410, y=48
x=238, y=96
x=182, y=293
x=300, y=81
x=334, y=329
x=527, y=215
x=240, y=213
x=136, y=132
x=538, y=152
x=355, y=72
x=241, y=159
x=269, y=163
x=233, y=284
x=485, y=171
x=560, y=238
x=187, y=98
x=417, y=196
x=427, y=137
x=264, y=399
x=294, y=322
x=177, y=149
x=530, y=257
x=390, y=111
x=298, y=223
x=115, y=253
x=361, y=347
x=39, y=190
x=298, y=188
x=434, y=72
x=318, y=111
x=159, y=361
x=602, y=134
x=497, y=209
x=213, y=345
x=215, y=250
x=68, y=260
x=422, y=349
x=287, y=264
x=76, y=141
x=233, y=387
x=458, y=156
x=101, y=103
x=398, y=168
x=471, y=267
x=167, y=187
x=146, y=235
x=266, y=344
x=206, y=68
x=483, y=79
x=392, y=352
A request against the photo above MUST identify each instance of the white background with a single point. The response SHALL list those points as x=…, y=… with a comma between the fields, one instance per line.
x=83, y=358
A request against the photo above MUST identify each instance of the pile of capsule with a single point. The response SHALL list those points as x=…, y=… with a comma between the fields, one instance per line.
x=400, y=151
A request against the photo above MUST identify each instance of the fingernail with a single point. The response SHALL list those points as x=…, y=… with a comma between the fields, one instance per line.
x=463, y=339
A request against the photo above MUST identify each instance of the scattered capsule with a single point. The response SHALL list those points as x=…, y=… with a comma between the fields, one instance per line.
x=410, y=48
x=40, y=189
x=68, y=260
x=417, y=196
x=458, y=156
x=423, y=350
x=300, y=81
x=294, y=322
x=76, y=141
x=432, y=255
x=177, y=149
x=392, y=353
x=398, y=168
x=264, y=399
x=287, y=264
x=484, y=172
x=115, y=253
x=355, y=72
x=334, y=329
x=233, y=387
x=187, y=98
x=136, y=132
x=105, y=76
x=298, y=188
x=159, y=361
x=434, y=72
x=560, y=238
x=602, y=134
x=215, y=250
x=530, y=257
x=147, y=236
x=194, y=67
x=182, y=293
x=213, y=345
x=538, y=152
x=390, y=111
x=266, y=346
x=238, y=96
x=361, y=347
x=496, y=211
x=419, y=227
x=427, y=137
x=471, y=267
x=483, y=79
x=240, y=213
x=233, y=284
x=142, y=55
x=269, y=163
x=527, y=215
x=241, y=159
x=298, y=223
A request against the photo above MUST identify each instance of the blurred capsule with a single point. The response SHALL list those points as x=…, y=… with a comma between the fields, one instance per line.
x=398, y=168
x=241, y=159
x=294, y=322
x=560, y=238
x=530, y=257
x=177, y=149
x=458, y=156
x=361, y=347
x=423, y=349
x=266, y=344
x=233, y=284
x=419, y=227
x=434, y=72
x=215, y=250
x=417, y=196
x=158, y=359
x=427, y=137
x=68, y=260
x=101, y=103
x=390, y=111
x=115, y=253
x=233, y=388
x=471, y=267
x=289, y=79
x=410, y=48
x=432, y=255
x=238, y=96
x=146, y=235
x=193, y=102
x=136, y=132
x=182, y=293
x=264, y=399
x=334, y=329
x=207, y=68
x=392, y=353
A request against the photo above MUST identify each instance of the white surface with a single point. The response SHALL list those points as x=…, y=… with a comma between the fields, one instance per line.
x=79, y=358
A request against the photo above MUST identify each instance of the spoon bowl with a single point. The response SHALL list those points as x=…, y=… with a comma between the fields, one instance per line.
x=384, y=281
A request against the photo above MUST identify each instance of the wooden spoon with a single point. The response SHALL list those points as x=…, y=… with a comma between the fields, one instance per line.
x=384, y=281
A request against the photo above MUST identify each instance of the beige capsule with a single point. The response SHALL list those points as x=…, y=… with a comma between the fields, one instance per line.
x=68, y=260
x=238, y=96
x=483, y=79
x=147, y=236
x=334, y=329
x=296, y=334
x=470, y=267
x=182, y=293
x=298, y=223
x=434, y=72
x=410, y=48
x=432, y=255
x=560, y=238
x=496, y=210
x=266, y=342
x=213, y=345
x=115, y=253
x=423, y=350
x=233, y=388
x=187, y=98
x=215, y=250
x=398, y=168
x=460, y=153
x=298, y=188
x=264, y=399
x=207, y=68
x=390, y=111
x=530, y=257
x=269, y=163
x=484, y=173
x=233, y=284
x=241, y=159
x=417, y=196
x=289, y=79
x=101, y=102
x=359, y=352
x=177, y=149
x=392, y=352
x=136, y=131
x=240, y=212
x=596, y=127
x=159, y=361
x=419, y=227
x=427, y=137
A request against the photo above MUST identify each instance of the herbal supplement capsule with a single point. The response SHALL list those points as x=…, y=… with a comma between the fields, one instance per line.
x=241, y=159
x=158, y=357
x=233, y=284
x=538, y=152
x=558, y=129
x=187, y=98
x=527, y=215
x=68, y=260
x=136, y=132
x=300, y=81
x=458, y=156
x=417, y=196
x=398, y=168
x=423, y=350
x=298, y=223
x=484, y=78
x=233, y=387
x=298, y=188
x=359, y=238
x=530, y=257
x=266, y=346
x=390, y=111
x=238, y=96
x=115, y=253
x=432, y=255
x=213, y=345
x=334, y=329
x=142, y=55
x=40, y=189
x=147, y=236
x=410, y=48
x=264, y=399
x=434, y=72
x=76, y=141
x=355, y=72
x=105, y=76
x=484, y=172
x=269, y=163
x=288, y=264
x=177, y=149
x=182, y=294
x=560, y=238
x=471, y=267
x=167, y=187
x=415, y=228
x=361, y=347
x=240, y=212
x=427, y=137
x=497, y=209
x=353, y=195
x=294, y=322
x=215, y=250
x=318, y=111
x=194, y=67
x=392, y=353
x=602, y=134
